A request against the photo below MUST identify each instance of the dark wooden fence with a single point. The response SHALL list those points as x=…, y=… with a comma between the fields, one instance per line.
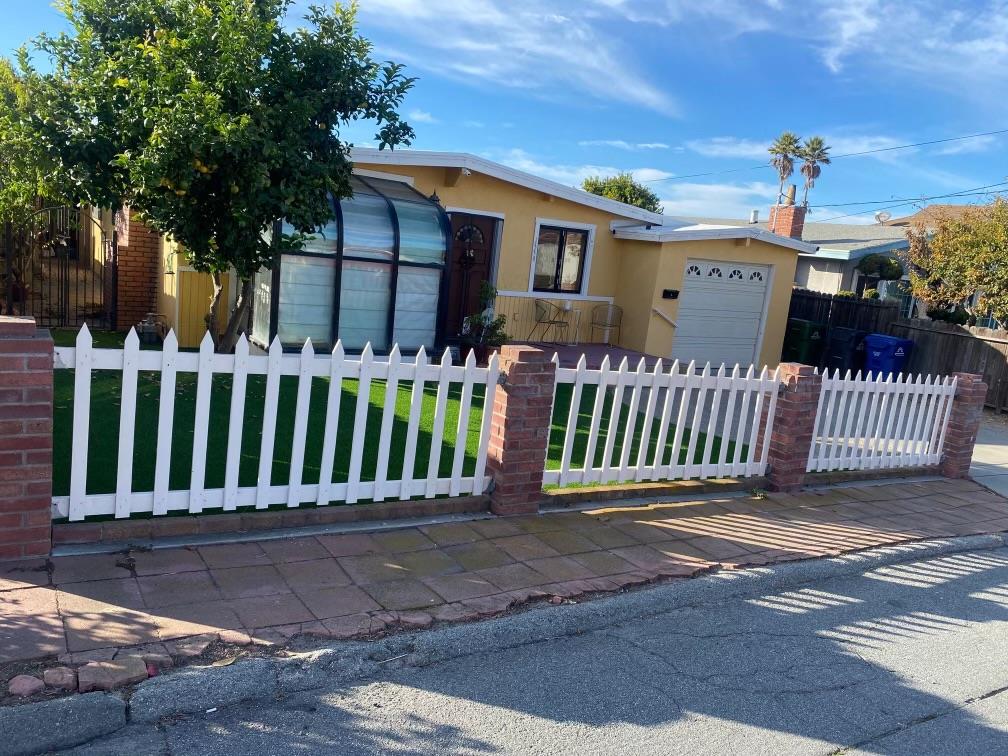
x=871, y=315
x=944, y=348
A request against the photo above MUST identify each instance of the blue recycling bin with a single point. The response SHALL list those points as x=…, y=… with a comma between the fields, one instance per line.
x=886, y=355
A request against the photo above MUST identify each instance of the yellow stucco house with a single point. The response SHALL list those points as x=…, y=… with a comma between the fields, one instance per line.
x=402, y=262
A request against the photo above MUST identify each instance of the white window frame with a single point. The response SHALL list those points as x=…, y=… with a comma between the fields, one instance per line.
x=586, y=268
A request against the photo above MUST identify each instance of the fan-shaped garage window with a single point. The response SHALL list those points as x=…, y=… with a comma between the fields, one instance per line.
x=756, y=275
x=735, y=275
x=714, y=272
x=693, y=270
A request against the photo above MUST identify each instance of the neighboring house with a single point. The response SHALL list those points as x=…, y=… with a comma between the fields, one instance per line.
x=839, y=247
x=928, y=215
x=402, y=261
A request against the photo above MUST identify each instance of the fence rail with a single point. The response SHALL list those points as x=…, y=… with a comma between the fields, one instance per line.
x=170, y=363
x=871, y=315
x=864, y=423
x=645, y=425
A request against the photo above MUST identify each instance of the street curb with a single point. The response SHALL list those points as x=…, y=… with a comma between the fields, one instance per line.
x=79, y=719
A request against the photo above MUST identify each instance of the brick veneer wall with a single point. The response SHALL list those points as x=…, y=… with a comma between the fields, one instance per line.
x=519, y=430
x=137, y=276
x=964, y=422
x=26, y=406
x=793, y=426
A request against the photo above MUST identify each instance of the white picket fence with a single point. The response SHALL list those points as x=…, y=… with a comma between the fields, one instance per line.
x=668, y=407
x=169, y=362
x=865, y=423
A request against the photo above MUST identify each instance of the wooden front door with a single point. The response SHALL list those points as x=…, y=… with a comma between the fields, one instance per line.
x=470, y=263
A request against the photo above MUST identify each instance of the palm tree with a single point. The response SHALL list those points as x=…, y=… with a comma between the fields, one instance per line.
x=814, y=154
x=785, y=149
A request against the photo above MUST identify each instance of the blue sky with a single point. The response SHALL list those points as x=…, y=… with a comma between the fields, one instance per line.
x=669, y=88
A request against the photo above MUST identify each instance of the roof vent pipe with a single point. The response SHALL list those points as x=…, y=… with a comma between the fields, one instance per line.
x=754, y=216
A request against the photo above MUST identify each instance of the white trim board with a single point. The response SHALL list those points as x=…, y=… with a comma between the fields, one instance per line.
x=662, y=235
x=586, y=266
x=382, y=175
x=432, y=159
x=555, y=295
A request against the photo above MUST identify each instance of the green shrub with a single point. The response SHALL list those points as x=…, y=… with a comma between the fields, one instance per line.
x=871, y=294
x=845, y=293
x=880, y=267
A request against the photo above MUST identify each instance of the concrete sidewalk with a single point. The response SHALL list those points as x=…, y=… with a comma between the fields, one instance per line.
x=361, y=584
x=990, y=456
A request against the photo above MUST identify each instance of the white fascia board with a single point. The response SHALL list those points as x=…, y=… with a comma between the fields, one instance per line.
x=727, y=232
x=431, y=159
x=880, y=249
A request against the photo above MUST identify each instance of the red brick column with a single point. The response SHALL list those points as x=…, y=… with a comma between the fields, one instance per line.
x=26, y=407
x=793, y=426
x=519, y=430
x=137, y=276
x=964, y=422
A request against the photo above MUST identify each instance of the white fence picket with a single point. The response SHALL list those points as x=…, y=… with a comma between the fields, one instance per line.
x=413, y=426
x=76, y=507
x=335, y=393
x=201, y=425
x=462, y=429
x=360, y=425
x=493, y=371
x=236, y=422
x=265, y=477
x=388, y=416
x=437, y=434
x=871, y=422
x=127, y=425
x=301, y=408
x=166, y=423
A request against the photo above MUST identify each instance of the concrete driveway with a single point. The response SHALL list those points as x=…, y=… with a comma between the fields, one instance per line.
x=990, y=457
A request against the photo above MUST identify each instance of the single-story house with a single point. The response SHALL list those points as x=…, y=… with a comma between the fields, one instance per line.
x=403, y=259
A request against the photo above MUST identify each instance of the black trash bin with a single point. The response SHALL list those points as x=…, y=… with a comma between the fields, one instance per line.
x=845, y=350
x=803, y=341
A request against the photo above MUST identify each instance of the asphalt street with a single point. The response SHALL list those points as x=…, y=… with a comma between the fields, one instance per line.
x=909, y=658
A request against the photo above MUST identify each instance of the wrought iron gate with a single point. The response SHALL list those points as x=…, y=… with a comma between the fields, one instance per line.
x=60, y=268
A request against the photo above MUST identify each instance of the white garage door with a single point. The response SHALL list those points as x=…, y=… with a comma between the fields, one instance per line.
x=721, y=308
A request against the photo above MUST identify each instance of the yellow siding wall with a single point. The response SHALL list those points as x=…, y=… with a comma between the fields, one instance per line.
x=194, y=293
x=168, y=293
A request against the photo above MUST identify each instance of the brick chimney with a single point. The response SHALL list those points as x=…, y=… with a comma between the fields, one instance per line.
x=787, y=219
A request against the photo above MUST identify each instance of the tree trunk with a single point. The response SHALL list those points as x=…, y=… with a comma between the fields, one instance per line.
x=210, y=319
x=238, y=319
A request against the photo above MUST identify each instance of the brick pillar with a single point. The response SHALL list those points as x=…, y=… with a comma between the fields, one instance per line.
x=793, y=426
x=519, y=429
x=26, y=407
x=137, y=277
x=964, y=422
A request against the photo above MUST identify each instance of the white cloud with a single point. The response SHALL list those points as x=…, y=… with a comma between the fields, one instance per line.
x=716, y=200
x=730, y=147
x=519, y=44
x=421, y=116
x=969, y=146
x=621, y=144
x=473, y=124
x=572, y=174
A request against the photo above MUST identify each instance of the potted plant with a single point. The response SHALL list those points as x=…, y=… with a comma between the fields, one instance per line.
x=483, y=331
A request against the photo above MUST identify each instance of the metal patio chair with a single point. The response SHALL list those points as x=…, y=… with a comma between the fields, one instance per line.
x=548, y=315
x=607, y=318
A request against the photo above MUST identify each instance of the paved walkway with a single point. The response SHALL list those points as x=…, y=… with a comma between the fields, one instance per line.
x=990, y=456
x=347, y=585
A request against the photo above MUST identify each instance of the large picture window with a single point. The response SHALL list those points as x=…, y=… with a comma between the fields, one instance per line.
x=560, y=259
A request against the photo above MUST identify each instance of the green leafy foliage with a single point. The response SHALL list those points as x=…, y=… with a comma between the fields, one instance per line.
x=485, y=327
x=846, y=294
x=871, y=294
x=958, y=257
x=881, y=267
x=22, y=163
x=814, y=154
x=212, y=119
x=623, y=188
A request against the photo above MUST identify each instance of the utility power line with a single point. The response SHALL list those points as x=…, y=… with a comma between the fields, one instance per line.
x=835, y=157
x=915, y=200
x=922, y=198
